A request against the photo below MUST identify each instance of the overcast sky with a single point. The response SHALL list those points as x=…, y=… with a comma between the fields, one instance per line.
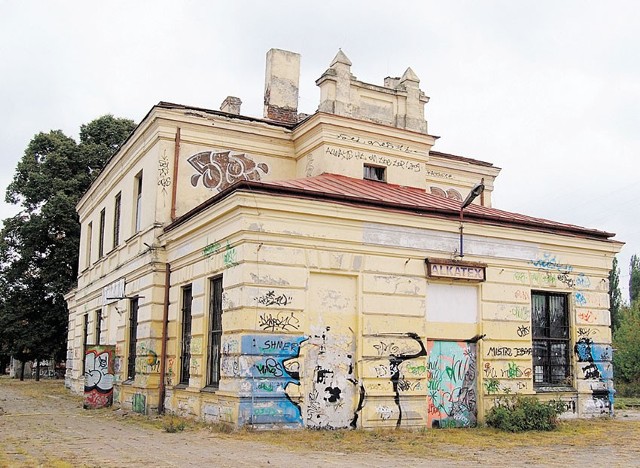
x=547, y=90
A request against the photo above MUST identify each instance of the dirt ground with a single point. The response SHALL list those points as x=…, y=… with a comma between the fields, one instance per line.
x=45, y=426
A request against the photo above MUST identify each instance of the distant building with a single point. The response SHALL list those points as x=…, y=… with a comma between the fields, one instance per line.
x=312, y=271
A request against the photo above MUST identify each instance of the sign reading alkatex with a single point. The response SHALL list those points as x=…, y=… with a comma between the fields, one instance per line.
x=457, y=270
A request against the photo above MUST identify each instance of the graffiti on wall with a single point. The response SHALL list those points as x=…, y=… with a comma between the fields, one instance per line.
x=330, y=400
x=220, y=169
x=376, y=143
x=549, y=262
x=164, y=179
x=268, y=372
x=394, y=366
x=348, y=154
x=280, y=321
x=98, y=376
x=452, y=399
x=146, y=359
x=594, y=361
x=270, y=298
x=265, y=366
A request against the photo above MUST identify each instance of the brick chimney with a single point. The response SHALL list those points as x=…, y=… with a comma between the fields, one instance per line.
x=281, y=86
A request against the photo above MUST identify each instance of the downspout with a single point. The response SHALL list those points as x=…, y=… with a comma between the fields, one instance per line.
x=163, y=347
x=174, y=185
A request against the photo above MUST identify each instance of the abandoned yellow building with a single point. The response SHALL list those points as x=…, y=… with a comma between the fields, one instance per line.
x=327, y=271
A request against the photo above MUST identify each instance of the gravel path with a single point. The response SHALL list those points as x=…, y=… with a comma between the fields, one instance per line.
x=54, y=430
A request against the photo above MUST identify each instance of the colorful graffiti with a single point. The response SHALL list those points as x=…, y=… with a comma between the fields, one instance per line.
x=452, y=384
x=146, y=359
x=262, y=363
x=549, y=262
x=594, y=360
x=220, y=169
x=99, y=373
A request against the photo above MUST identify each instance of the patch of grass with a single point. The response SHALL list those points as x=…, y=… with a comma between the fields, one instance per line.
x=222, y=428
x=173, y=423
x=448, y=443
x=626, y=402
x=59, y=464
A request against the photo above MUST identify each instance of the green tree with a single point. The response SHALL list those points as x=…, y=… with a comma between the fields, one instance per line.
x=615, y=297
x=39, y=246
x=634, y=279
x=626, y=358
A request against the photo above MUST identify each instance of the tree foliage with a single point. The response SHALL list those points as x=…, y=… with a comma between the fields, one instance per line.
x=634, y=279
x=39, y=246
x=626, y=341
x=615, y=297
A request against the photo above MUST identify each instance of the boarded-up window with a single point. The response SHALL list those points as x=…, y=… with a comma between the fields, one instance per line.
x=452, y=303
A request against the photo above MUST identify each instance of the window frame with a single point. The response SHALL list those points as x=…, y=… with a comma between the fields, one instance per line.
x=98, y=326
x=215, y=330
x=137, y=221
x=547, y=337
x=85, y=340
x=117, y=209
x=379, y=173
x=186, y=335
x=89, y=241
x=134, y=307
x=101, y=229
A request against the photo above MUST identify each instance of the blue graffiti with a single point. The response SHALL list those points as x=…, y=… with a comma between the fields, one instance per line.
x=597, y=366
x=580, y=299
x=281, y=345
x=270, y=363
x=548, y=262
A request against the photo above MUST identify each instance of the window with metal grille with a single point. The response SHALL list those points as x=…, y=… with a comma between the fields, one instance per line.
x=185, y=356
x=377, y=173
x=550, y=335
x=215, y=332
x=133, y=338
x=116, y=220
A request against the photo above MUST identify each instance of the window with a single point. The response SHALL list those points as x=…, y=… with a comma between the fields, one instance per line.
x=98, y=326
x=215, y=332
x=138, y=198
x=185, y=357
x=101, y=234
x=88, y=248
x=550, y=325
x=133, y=338
x=377, y=173
x=85, y=339
x=116, y=220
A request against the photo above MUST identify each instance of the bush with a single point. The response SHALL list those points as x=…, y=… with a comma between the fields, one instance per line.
x=173, y=424
x=515, y=413
x=627, y=389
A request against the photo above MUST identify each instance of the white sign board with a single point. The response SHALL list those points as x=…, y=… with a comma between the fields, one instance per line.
x=113, y=292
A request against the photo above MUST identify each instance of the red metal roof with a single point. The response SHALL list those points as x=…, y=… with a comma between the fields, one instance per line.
x=379, y=195
x=418, y=200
